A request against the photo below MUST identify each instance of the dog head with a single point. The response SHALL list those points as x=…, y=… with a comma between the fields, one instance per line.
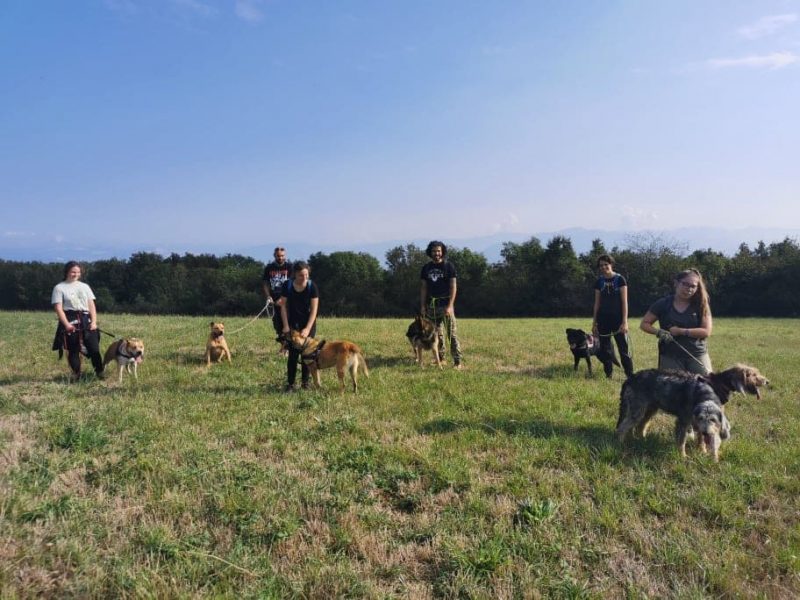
x=709, y=422
x=421, y=327
x=739, y=378
x=577, y=338
x=304, y=345
x=134, y=347
x=217, y=329
x=752, y=380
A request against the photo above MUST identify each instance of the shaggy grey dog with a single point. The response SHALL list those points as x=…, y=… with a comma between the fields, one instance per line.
x=692, y=399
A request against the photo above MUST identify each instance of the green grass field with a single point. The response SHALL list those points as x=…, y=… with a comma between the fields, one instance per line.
x=500, y=481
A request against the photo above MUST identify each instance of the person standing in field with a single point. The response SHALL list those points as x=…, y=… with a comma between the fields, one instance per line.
x=685, y=324
x=73, y=302
x=275, y=276
x=610, y=314
x=298, y=312
x=438, y=297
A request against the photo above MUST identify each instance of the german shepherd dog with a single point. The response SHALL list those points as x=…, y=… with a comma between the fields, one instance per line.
x=423, y=335
x=695, y=400
x=319, y=354
x=584, y=345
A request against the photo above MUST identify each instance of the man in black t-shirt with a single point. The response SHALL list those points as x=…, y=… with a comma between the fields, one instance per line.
x=276, y=274
x=438, y=296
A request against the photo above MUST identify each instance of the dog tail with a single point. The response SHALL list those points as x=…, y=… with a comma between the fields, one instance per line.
x=362, y=362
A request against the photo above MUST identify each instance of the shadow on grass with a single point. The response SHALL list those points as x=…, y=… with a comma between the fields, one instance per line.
x=567, y=372
x=601, y=441
x=378, y=360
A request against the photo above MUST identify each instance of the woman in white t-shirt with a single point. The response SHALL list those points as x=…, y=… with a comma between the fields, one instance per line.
x=77, y=330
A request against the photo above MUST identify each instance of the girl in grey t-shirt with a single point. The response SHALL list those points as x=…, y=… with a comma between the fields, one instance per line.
x=685, y=323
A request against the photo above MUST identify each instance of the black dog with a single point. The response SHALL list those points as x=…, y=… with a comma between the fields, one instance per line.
x=584, y=345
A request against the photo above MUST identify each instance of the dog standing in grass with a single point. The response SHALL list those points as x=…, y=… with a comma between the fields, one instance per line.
x=695, y=400
x=585, y=345
x=319, y=354
x=423, y=335
x=128, y=353
x=216, y=346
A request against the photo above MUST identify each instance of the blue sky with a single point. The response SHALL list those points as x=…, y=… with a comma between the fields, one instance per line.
x=176, y=122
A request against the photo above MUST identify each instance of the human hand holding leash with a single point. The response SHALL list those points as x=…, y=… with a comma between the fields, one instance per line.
x=664, y=336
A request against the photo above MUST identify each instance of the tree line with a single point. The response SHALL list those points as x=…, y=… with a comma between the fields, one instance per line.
x=530, y=280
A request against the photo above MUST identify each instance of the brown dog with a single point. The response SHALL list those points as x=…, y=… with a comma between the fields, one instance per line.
x=128, y=353
x=423, y=336
x=322, y=355
x=216, y=346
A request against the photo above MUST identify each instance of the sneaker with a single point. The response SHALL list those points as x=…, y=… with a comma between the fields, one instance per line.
x=305, y=385
x=458, y=367
x=100, y=374
x=74, y=377
x=290, y=389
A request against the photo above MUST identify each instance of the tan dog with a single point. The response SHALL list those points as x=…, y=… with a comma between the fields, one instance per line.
x=322, y=355
x=216, y=346
x=423, y=336
x=128, y=353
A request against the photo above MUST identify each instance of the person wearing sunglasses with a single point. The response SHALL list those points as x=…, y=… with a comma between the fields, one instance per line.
x=684, y=325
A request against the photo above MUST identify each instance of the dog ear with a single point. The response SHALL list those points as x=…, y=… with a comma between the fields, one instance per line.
x=739, y=381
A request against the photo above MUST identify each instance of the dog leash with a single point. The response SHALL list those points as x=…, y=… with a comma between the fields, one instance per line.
x=689, y=354
x=445, y=323
x=269, y=308
x=628, y=340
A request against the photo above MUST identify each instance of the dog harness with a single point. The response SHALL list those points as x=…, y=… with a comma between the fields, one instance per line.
x=314, y=355
x=122, y=354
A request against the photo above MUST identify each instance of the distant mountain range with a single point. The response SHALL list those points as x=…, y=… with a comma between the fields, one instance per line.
x=687, y=240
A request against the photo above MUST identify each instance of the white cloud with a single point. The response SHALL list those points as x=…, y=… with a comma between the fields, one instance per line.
x=766, y=26
x=776, y=60
x=509, y=223
x=249, y=10
x=634, y=217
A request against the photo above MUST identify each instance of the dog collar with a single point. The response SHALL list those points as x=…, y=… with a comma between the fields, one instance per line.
x=121, y=353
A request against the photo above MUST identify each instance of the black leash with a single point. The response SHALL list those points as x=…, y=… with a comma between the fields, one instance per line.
x=107, y=333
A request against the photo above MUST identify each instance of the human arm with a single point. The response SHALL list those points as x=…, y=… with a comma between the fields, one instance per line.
x=62, y=317
x=312, y=317
x=648, y=326
x=450, y=310
x=92, y=315
x=595, y=310
x=648, y=323
x=284, y=315
x=623, y=298
x=423, y=297
x=700, y=333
